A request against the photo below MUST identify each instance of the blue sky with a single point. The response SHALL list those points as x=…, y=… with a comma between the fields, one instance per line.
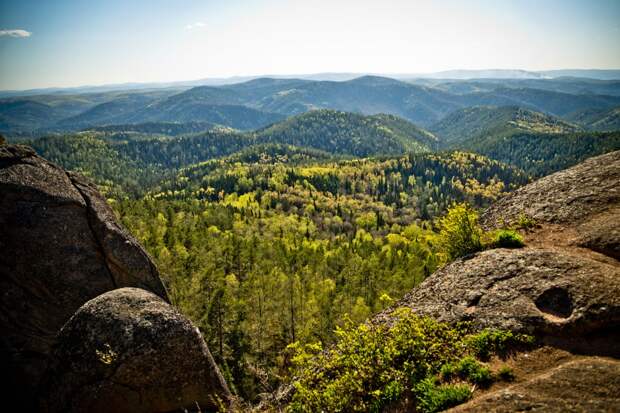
x=70, y=43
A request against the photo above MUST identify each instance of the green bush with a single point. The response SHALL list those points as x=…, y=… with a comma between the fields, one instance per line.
x=371, y=366
x=459, y=232
x=489, y=342
x=435, y=398
x=505, y=373
x=525, y=222
x=469, y=369
x=507, y=238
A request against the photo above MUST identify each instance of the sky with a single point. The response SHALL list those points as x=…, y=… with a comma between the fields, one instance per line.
x=65, y=43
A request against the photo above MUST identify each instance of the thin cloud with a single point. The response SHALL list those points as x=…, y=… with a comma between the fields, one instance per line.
x=197, y=25
x=15, y=33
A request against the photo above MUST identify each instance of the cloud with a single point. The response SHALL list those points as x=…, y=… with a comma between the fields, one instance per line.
x=197, y=25
x=15, y=33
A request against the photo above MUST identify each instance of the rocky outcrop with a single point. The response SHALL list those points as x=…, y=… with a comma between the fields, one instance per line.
x=129, y=351
x=578, y=207
x=61, y=247
x=542, y=292
x=583, y=385
x=567, y=197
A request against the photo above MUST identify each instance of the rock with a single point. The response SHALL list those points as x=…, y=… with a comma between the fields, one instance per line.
x=550, y=294
x=129, y=351
x=585, y=385
x=566, y=197
x=61, y=246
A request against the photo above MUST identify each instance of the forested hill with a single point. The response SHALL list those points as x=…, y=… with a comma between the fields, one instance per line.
x=349, y=133
x=483, y=121
x=133, y=160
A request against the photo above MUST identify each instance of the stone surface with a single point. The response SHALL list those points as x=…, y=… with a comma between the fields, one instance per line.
x=129, y=351
x=585, y=385
x=61, y=246
x=565, y=197
x=534, y=291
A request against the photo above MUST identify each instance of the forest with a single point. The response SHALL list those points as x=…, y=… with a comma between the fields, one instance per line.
x=274, y=240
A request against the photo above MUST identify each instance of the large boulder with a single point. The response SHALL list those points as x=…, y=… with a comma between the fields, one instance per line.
x=129, y=351
x=567, y=197
x=61, y=246
x=558, y=297
x=578, y=207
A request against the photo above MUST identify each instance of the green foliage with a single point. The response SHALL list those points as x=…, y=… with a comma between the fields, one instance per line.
x=525, y=222
x=436, y=398
x=459, y=232
x=505, y=373
x=470, y=369
x=497, y=341
x=371, y=366
x=507, y=238
x=541, y=154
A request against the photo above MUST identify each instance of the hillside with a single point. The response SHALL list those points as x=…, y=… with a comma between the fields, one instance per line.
x=597, y=119
x=540, y=154
x=135, y=156
x=484, y=121
x=349, y=133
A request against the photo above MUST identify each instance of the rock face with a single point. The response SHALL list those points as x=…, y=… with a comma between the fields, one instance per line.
x=581, y=205
x=542, y=292
x=566, y=197
x=584, y=385
x=564, y=286
x=129, y=351
x=61, y=247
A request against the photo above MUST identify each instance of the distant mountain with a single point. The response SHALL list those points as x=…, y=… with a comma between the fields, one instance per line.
x=597, y=119
x=21, y=115
x=349, y=133
x=535, y=142
x=260, y=102
x=158, y=128
x=482, y=121
x=575, y=86
x=600, y=74
x=485, y=74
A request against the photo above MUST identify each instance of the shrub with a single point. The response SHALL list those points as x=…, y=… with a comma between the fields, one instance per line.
x=469, y=369
x=488, y=342
x=459, y=232
x=507, y=238
x=525, y=222
x=505, y=373
x=435, y=398
x=371, y=366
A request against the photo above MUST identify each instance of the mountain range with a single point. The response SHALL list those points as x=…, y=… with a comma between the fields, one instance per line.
x=260, y=102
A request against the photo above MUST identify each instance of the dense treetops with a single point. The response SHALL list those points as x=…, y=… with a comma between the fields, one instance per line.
x=349, y=133
x=482, y=121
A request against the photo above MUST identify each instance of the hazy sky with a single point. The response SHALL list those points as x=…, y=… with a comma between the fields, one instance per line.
x=71, y=42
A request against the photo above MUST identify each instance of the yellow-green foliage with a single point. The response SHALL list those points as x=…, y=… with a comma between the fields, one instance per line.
x=459, y=233
x=372, y=366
